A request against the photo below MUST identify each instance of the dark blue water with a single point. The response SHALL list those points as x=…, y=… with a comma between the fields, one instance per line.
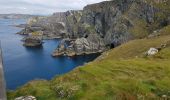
x=23, y=64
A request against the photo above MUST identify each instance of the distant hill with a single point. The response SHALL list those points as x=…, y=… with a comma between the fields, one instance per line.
x=15, y=16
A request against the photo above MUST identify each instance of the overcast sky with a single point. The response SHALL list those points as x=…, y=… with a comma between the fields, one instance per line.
x=42, y=6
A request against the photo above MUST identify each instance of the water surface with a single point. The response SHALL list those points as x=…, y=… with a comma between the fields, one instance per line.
x=23, y=64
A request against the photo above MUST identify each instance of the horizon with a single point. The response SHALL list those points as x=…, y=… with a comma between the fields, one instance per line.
x=42, y=7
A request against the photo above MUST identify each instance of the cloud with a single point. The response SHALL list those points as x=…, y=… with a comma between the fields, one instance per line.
x=42, y=6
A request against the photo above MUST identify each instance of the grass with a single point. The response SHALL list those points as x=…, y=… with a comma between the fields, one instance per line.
x=40, y=88
x=163, y=4
x=140, y=29
x=124, y=73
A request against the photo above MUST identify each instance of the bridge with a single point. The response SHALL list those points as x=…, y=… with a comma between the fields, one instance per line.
x=2, y=80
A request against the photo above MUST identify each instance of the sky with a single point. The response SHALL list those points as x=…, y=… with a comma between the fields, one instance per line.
x=42, y=7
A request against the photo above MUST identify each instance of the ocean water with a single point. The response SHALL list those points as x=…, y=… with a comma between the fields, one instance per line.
x=22, y=64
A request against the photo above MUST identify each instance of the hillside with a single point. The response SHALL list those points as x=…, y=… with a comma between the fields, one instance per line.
x=102, y=25
x=123, y=73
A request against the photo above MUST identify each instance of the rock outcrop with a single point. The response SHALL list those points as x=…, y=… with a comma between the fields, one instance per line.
x=114, y=22
x=59, y=25
x=32, y=41
x=26, y=98
x=92, y=44
x=152, y=51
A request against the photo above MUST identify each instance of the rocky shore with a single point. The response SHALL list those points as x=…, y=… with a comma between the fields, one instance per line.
x=136, y=70
x=80, y=46
x=108, y=24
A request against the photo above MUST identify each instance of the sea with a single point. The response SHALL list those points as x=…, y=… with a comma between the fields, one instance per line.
x=23, y=64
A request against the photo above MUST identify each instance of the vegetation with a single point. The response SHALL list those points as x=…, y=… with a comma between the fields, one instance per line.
x=40, y=88
x=141, y=26
x=36, y=33
x=140, y=30
x=123, y=73
x=160, y=17
x=161, y=4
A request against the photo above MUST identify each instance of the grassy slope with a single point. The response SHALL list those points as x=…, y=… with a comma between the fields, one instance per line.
x=123, y=72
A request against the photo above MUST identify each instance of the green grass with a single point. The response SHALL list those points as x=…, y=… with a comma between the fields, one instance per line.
x=163, y=4
x=140, y=29
x=124, y=73
x=40, y=88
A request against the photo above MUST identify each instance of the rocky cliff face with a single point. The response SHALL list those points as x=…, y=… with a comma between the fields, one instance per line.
x=115, y=22
x=50, y=26
x=57, y=25
x=107, y=21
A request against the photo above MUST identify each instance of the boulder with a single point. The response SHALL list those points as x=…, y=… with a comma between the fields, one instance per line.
x=155, y=33
x=26, y=98
x=152, y=51
x=93, y=43
x=32, y=41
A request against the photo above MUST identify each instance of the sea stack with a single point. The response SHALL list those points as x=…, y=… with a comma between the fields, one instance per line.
x=32, y=41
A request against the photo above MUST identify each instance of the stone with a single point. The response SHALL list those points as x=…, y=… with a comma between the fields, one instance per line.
x=32, y=41
x=80, y=46
x=154, y=34
x=111, y=22
x=152, y=51
x=26, y=98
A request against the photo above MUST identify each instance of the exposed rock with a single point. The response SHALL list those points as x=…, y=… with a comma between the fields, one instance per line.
x=114, y=22
x=152, y=51
x=20, y=25
x=110, y=19
x=92, y=44
x=26, y=98
x=57, y=25
x=113, y=19
x=61, y=49
x=32, y=41
x=155, y=33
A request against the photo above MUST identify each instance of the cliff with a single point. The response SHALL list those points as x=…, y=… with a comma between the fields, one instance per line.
x=126, y=72
x=57, y=25
x=115, y=22
x=122, y=73
x=118, y=21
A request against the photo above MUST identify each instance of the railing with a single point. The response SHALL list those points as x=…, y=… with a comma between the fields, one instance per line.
x=2, y=80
